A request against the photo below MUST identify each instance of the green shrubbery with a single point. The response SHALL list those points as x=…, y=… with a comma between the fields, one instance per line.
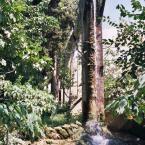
x=21, y=108
x=131, y=104
x=129, y=92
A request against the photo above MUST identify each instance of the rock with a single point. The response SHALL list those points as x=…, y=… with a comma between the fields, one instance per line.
x=118, y=123
x=54, y=136
x=134, y=128
x=63, y=133
x=108, y=117
x=66, y=126
x=78, y=123
x=74, y=125
x=78, y=133
x=68, y=129
x=75, y=130
x=106, y=132
x=121, y=123
x=16, y=141
x=49, y=131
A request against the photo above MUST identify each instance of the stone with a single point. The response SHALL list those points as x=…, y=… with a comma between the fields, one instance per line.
x=66, y=126
x=134, y=128
x=49, y=141
x=77, y=134
x=68, y=129
x=54, y=136
x=106, y=131
x=63, y=133
x=118, y=123
x=78, y=123
x=49, y=131
x=108, y=117
x=74, y=125
x=121, y=123
x=14, y=140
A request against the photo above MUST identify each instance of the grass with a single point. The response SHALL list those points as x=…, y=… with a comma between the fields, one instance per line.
x=61, y=119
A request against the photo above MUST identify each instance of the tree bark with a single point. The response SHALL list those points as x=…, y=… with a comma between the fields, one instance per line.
x=99, y=73
x=54, y=79
x=55, y=82
x=92, y=59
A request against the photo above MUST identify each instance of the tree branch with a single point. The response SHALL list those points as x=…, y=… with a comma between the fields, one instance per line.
x=78, y=101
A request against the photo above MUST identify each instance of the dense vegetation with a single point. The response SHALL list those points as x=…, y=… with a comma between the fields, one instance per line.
x=38, y=40
x=128, y=93
x=29, y=34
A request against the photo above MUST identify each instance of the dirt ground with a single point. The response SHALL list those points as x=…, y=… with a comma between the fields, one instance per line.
x=54, y=142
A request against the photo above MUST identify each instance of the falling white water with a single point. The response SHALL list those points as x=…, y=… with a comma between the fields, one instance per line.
x=95, y=36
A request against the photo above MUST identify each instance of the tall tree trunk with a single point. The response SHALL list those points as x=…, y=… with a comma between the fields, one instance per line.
x=54, y=80
x=99, y=73
x=92, y=60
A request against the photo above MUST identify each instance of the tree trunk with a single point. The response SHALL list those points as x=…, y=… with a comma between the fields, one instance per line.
x=54, y=80
x=99, y=73
x=92, y=60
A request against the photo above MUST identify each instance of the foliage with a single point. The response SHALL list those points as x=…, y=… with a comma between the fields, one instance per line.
x=111, y=74
x=61, y=119
x=133, y=103
x=130, y=44
x=21, y=108
x=66, y=13
x=22, y=40
x=28, y=36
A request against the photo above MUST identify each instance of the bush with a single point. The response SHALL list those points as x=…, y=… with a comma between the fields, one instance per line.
x=21, y=108
x=131, y=104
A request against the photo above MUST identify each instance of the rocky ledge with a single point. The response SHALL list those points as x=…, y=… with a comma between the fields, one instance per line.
x=66, y=131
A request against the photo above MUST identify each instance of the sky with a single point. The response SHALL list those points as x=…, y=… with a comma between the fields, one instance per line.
x=111, y=11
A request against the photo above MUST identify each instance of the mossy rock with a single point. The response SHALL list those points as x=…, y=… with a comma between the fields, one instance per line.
x=64, y=132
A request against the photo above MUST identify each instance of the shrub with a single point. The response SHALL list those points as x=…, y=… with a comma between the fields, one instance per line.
x=21, y=108
x=132, y=104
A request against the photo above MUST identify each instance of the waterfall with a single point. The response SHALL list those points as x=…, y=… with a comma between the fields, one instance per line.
x=94, y=135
